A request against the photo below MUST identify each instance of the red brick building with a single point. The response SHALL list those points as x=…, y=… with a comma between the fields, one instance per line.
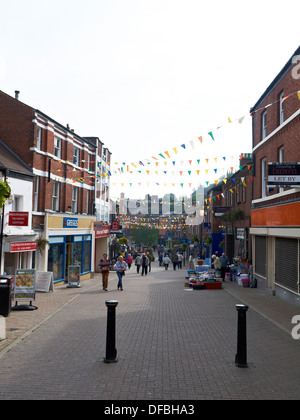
x=71, y=185
x=227, y=212
x=275, y=215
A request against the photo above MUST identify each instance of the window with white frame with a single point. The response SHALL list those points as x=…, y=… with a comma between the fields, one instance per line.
x=17, y=204
x=57, y=147
x=264, y=125
x=281, y=160
x=55, y=197
x=76, y=155
x=281, y=108
x=36, y=194
x=39, y=138
x=263, y=177
x=74, y=199
x=87, y=201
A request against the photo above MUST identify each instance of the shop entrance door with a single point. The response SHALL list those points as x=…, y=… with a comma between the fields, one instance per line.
x=69, y=259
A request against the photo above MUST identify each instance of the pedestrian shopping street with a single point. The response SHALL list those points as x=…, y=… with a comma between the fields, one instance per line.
x=173, y=343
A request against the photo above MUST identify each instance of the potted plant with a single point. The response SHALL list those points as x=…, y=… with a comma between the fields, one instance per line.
x=41, y=244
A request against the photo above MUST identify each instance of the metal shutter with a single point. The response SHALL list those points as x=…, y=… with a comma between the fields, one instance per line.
x=286, y=263
x=260, y=255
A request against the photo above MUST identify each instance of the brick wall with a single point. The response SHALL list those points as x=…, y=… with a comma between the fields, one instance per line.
x=287, y=137
x=16, y=128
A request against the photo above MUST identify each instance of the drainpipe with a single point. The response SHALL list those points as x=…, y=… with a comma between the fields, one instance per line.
x=2, y=228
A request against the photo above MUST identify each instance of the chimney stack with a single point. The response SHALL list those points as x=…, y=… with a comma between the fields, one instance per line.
x=17, y=94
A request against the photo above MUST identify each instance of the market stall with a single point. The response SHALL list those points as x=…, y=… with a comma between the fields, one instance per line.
x=203, y=277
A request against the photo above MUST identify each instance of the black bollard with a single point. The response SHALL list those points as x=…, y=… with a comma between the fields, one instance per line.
x=241, y=356
x=111, y=352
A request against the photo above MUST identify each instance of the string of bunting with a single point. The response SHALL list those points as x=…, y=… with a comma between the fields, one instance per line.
x=166, y=154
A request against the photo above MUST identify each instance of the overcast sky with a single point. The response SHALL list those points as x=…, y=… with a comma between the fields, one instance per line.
x=146, y=76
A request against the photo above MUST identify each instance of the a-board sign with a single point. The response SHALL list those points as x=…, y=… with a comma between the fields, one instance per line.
x=74, y=274
x=25, y=280
x=44, y=281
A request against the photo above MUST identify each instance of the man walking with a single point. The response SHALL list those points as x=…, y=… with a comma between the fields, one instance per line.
x=224, y=264
x=145, y=263
x=174, y=259
x=105, y=265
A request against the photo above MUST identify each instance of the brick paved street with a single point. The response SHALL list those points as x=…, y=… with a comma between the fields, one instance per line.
x=173, y=344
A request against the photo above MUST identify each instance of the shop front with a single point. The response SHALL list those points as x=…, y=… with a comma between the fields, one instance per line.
x=102, y=234
x=70, y=243
x=19, y=252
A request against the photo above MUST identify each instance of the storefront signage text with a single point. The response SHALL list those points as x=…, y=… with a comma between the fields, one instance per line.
x=284, y=174
x=18, y=218
x=70, y=222
x=23, y=246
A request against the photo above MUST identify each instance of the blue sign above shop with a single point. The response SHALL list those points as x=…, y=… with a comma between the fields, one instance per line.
x=70, y=222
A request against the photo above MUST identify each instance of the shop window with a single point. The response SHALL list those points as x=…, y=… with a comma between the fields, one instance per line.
x=86, y=256
x=82, y=252
x=78, y=253
x=56, y=258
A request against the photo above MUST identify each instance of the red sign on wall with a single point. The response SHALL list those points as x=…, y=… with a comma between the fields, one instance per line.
x=115, y=226
x=102, y=233
x=23, y=246
x=18, y=218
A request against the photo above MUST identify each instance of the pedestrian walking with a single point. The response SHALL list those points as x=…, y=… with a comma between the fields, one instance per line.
x=180, y=259
x=129, y=260
x=121, y=266
x=191, y=261
x=174, y=259
x=150, y=261
x=160, y=259
x=138, y=262
x=145, y=263
x=105, y=266
x=224, y=264
x=166, y=262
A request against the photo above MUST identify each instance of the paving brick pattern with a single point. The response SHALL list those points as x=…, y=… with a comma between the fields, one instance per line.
x=173, y=344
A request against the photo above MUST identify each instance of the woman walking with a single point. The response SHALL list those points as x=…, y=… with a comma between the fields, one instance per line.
x=121, y=267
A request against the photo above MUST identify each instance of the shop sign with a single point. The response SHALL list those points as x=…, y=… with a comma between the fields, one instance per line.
x=104, y=232
x=70, y=222
x=240, y=233
x=44, y=281
x=23, y=246
x=285, y=174
x=115, y=226
x=74, y=275
x=220, y=211
x=18, y=218
x=25, y=284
